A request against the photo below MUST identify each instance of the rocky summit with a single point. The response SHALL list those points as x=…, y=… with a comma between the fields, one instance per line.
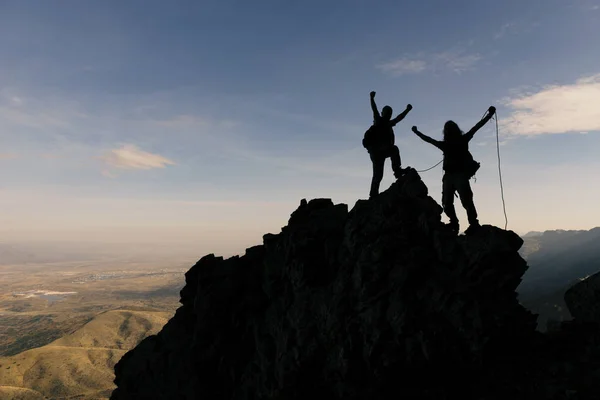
x=379, y=302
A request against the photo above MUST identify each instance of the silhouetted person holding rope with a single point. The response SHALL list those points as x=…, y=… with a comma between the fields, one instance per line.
x=379, y=141
x=459, y=167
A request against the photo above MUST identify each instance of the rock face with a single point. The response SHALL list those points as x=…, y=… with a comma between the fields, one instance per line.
x=583, y=299
x=376, y=303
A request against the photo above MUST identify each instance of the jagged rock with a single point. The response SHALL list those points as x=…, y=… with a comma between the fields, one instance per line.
x=379, y=302
x=583, y=299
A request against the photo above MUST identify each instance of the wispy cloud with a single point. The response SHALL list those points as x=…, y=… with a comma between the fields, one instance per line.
x=515, y=28
x=504, y=30
x=16, y=101
x=567, y=108
x=71, y=127
x=182, y=121
x=404, y=66
x=15, y=115
x=108, y=174
x=7, y=156
x=339, y=164
x=130, y=157
x=40, y=119
x=456, y=61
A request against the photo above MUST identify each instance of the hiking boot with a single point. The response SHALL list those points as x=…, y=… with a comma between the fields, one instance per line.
x=472, y=228
x=454, y=227
x=400, y=172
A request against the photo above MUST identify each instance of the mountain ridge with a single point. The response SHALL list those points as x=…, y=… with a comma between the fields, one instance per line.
x=362, y=304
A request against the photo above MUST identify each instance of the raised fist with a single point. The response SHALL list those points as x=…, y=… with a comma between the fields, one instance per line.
x=372, y=94
x=409, y=107
x=414, y=129
x=492, y=109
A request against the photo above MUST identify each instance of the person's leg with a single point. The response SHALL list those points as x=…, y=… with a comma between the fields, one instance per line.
x=394, y=154
x=378, y=164
x=466, y=198
x=448, y=189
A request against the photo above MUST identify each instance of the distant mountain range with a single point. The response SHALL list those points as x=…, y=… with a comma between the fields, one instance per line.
x=10, y=254
x=557, y=259
x=39, y=252
x=532, y=234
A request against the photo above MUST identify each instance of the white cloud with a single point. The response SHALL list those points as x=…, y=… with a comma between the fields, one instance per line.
x=568, y=108
x=456, y=61
x=7, y=156
x=129, y=156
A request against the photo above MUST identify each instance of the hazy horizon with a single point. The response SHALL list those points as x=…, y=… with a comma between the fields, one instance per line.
x=203, y=125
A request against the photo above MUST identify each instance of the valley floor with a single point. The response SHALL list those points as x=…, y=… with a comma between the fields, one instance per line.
x=64, y=326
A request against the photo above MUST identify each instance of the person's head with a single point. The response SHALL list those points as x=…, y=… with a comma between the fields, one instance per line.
x=386, y=112
x=451, y=131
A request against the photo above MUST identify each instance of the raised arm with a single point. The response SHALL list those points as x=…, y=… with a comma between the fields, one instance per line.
x=376, y=114
x=427, y=139
x=491, y=111
x=401, y=116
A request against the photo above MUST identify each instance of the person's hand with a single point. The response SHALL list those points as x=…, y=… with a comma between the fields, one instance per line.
x=409, y=107
x=492, y=110
x=414, y=129
x=372, y=94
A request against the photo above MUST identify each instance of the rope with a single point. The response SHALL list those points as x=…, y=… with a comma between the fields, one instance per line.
x=428, y=169
x=499, y=168
x=500, y=171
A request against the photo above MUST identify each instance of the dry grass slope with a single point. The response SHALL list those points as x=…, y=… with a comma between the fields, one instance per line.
x=17, y=393
x=81, y=363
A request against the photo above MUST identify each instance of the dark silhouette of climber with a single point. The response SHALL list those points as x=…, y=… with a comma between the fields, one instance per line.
x=459, y=167
x=379, y=141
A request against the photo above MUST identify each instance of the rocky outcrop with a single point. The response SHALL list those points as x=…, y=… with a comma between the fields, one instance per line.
x=379, y=302
x=583, y=299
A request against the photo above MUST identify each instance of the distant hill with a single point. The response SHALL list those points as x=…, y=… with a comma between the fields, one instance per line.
x=557, y=260
x=81, y=363
x=532, y=234
x=10, y=254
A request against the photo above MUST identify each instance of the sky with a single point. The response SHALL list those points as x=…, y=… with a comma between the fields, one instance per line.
x=207, y=122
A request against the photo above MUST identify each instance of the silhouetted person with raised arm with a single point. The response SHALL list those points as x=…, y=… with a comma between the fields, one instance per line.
x=459, y=167
x=380, y=143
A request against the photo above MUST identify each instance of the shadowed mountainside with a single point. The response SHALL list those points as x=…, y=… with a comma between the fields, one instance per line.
x=557, y=260
x=560, y=259
x=379, y=302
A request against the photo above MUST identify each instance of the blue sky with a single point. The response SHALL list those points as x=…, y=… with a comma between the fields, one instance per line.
x=208, y=121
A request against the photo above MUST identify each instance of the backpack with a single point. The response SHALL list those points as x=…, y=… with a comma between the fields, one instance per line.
x=471, y=166
x=369, y=138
